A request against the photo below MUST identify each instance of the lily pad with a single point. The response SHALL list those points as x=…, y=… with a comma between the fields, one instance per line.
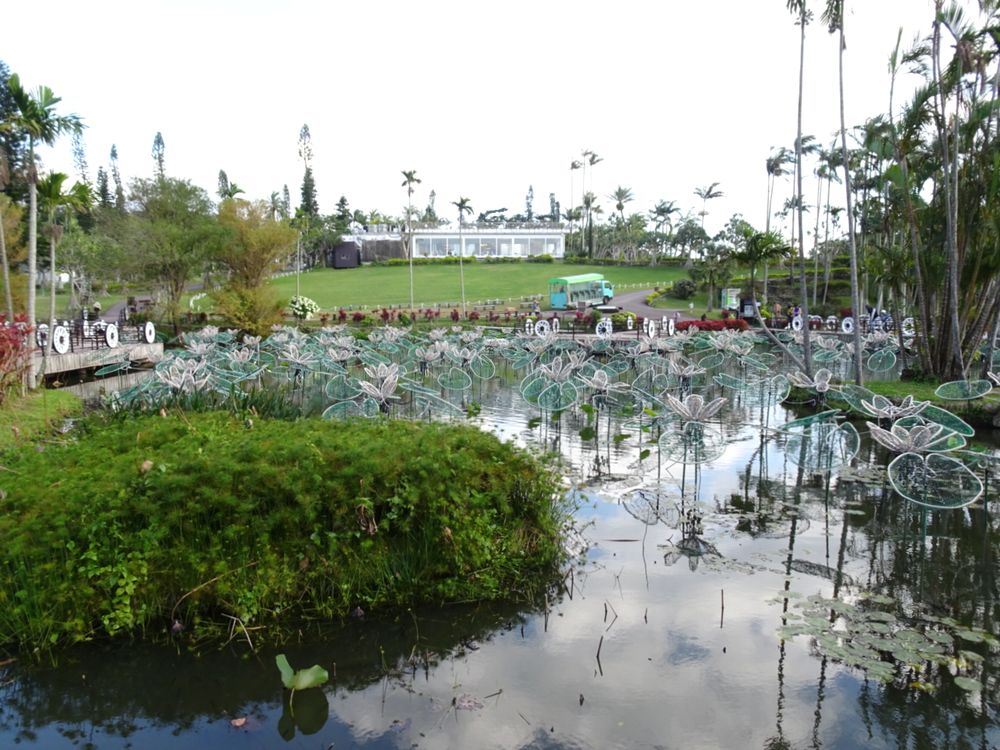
x=963, y=390
x=558, y=396
x=455, y=380
x=692, y=444
x=943, y=417
x=882, y=360
x=934, y=481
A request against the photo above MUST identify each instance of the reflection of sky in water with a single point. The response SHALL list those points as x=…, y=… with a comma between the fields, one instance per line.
x=675, y=670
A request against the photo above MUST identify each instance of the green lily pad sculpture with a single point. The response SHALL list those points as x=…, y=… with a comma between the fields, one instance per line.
x=934, y=481
x=963, y=390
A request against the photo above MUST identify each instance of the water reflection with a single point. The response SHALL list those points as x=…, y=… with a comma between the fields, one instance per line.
x=663, y=635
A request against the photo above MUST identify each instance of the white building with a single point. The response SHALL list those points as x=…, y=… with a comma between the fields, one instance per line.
x=491, y=241
x=481, y=241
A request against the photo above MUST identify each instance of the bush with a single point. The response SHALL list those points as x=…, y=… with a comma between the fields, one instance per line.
x=15, y=353
x=714, y=325
x=544, y=258
x=251, y=310
x=191, y=517
x=620, y=320
x=682, y=289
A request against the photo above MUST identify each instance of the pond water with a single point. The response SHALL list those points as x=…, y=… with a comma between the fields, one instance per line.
x=666, y=632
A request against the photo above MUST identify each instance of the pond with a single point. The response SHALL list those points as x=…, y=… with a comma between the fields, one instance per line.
x=724, y=592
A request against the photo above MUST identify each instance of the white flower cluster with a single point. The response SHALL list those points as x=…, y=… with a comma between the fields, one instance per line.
x=302, y=308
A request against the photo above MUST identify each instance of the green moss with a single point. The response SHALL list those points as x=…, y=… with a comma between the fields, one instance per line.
x=136, y=524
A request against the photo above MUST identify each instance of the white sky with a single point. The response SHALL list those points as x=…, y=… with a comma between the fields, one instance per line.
x=482, y=100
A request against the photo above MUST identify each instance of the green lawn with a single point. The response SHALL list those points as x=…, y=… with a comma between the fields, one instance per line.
x=24, y=419
x=62, y=304
x=383, y=285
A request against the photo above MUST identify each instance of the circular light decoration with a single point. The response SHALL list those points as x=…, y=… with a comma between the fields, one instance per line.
x=60, y=339
x=42, y=334
x=555, y=325
x=542, y=328
x=629, y=322
x=604, y=328
x=149, y=332
x=797, y=323
x=529, y=326
x=847, y=325
x=671, y=327
x=111, y=336
x=909, y=328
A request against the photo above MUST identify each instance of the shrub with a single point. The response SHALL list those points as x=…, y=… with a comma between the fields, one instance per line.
x=620, y=320
x=714, y=325
x=682, y=289
x=192, y=517
x=302, y=308
x=15, y=351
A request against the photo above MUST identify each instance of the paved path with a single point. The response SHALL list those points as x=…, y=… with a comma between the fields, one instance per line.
x=636, y=302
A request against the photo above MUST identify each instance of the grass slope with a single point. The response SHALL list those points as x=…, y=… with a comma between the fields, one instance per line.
x=383, y=285
x=22, y=419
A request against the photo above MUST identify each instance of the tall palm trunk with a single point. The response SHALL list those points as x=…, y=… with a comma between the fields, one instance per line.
x=851, y=241
x=819, y=199
x=803, y=293
x=461, y=268
x=32, y=252
x=949, y=170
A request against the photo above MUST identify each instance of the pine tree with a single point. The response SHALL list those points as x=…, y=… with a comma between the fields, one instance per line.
x=308, y=204
x=529, y=200
x=159, y=148
x=103, y=190
x=117, y=177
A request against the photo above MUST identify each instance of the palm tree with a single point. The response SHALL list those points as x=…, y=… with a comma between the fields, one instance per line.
x=775, y=165
x=574, y=165
x=621, y=196
x=53, y=199
x=798, y=8
x=36, y=117
x=409, y=179
x=661, y=216
x=756, y=248
x=589, y=208
x=462, y=204
x=707, y=194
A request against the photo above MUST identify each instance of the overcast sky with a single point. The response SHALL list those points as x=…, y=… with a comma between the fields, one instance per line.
x=482, y=100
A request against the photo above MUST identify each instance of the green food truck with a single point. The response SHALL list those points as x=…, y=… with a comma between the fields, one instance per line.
x=572, y=292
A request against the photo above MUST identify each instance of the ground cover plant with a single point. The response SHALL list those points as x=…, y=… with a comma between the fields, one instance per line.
x=193, y=522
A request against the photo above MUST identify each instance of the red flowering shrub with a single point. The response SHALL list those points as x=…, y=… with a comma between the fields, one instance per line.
x=455, y=314
x=357, y=316
x=713, y=325
x=14, y=354
x=474, y=315
x=342, y=315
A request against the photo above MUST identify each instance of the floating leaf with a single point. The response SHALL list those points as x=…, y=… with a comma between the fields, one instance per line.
x=342, y=410
x=712, y=360
x=302, y=679
x=558, y=396
x=963, y=390
x=822, y=446
x=945, y=418
x=968, y=684
x=340, y=388
x=882, y=360
x=482, y=367
x=934, y=481
x=455, y=380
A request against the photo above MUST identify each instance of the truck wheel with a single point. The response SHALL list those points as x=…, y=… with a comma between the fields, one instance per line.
x=607, y=300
